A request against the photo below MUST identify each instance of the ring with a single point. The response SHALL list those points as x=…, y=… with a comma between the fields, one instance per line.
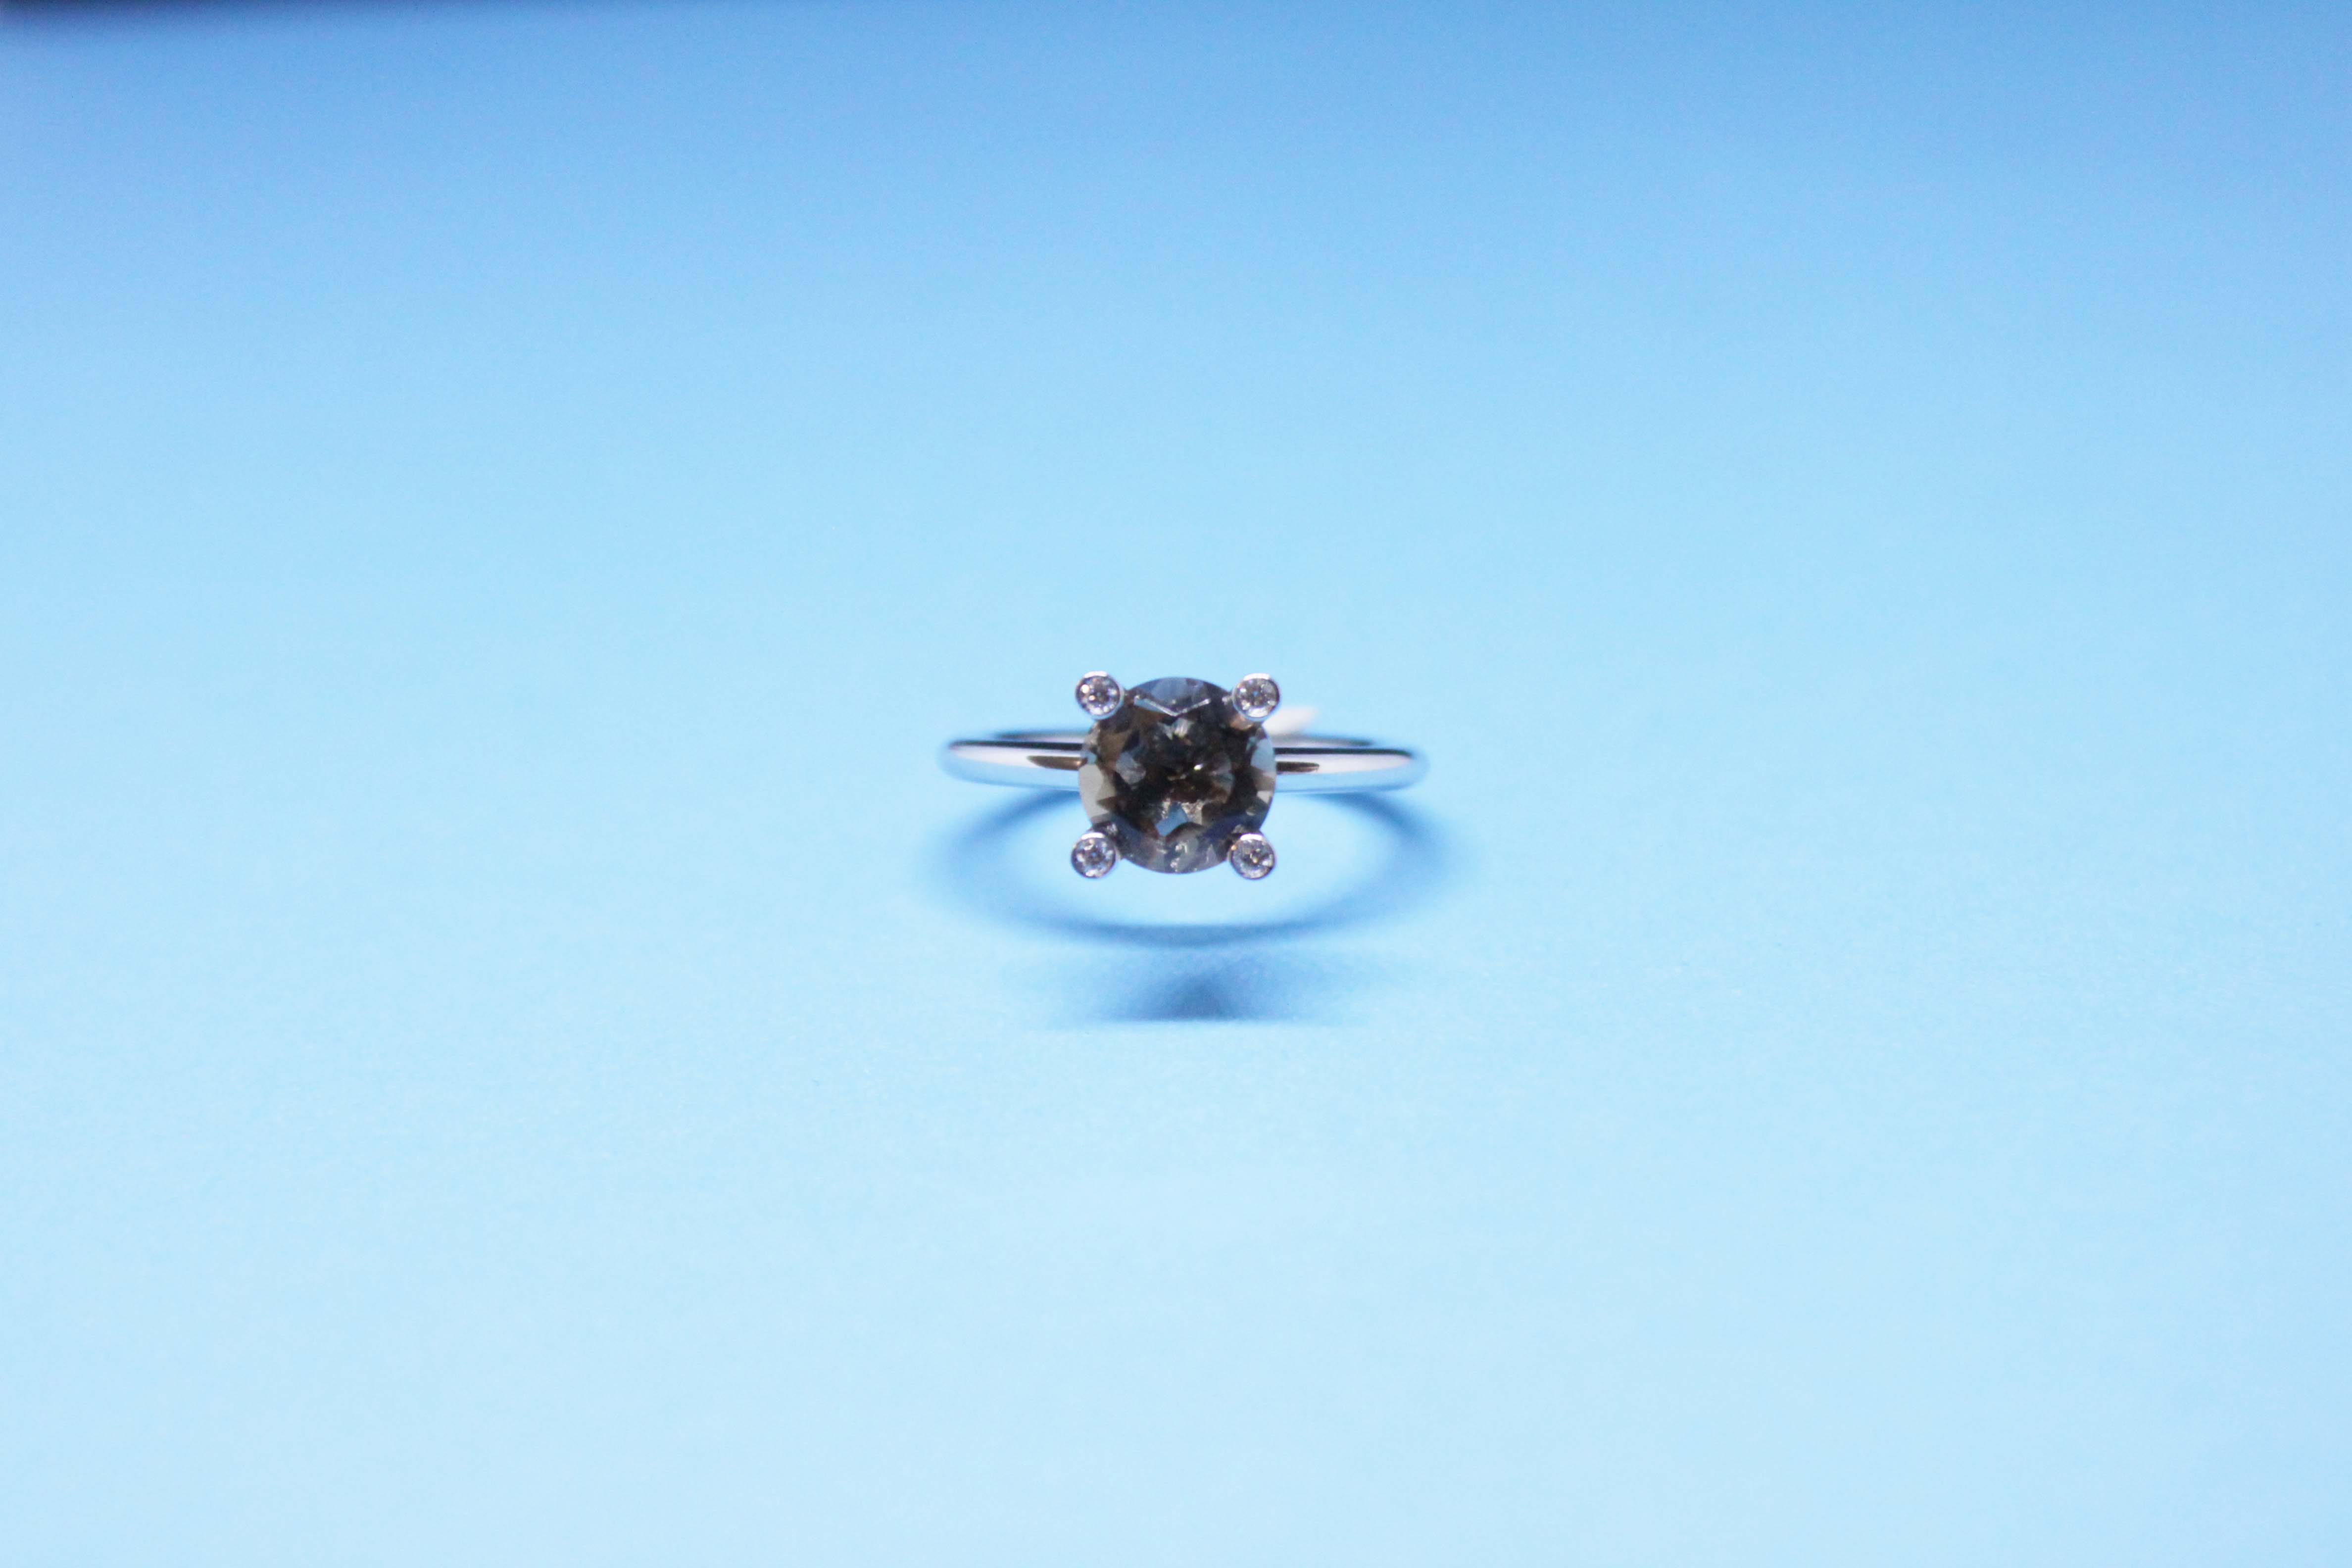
x=1177, y=774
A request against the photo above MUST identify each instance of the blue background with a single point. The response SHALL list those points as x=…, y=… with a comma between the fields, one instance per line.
x=511, y=1052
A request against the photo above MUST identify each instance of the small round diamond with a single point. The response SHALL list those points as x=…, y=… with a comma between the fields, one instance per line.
x=1251, y=855
x=1099, y=695
x=1094, y=856
x=1255, y=697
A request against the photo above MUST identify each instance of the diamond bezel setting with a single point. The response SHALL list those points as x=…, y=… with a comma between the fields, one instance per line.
x=1251, y=857
x=1255, y=697
x=1098, y=694
x=1094, y=856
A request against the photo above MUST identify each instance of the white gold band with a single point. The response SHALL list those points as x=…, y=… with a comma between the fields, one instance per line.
x=1303, y=764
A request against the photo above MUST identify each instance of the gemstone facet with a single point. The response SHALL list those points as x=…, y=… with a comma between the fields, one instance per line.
x=1176, y=774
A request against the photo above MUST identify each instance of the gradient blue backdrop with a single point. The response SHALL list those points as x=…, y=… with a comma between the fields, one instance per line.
x=511, y=1053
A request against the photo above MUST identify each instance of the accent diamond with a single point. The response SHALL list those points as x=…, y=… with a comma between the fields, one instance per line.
x=1093, y=854
x=1099, y=695
x=1251, y=855
x=1255, y=697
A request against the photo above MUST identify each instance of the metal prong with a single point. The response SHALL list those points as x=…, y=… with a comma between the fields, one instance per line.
x=1099, y=695
x=1251, y=857
x=1093, y=854
x=1255, y=697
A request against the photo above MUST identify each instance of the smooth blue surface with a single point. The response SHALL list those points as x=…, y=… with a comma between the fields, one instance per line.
x=511, y=1053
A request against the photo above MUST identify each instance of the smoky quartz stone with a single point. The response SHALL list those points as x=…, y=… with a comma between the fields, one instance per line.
x=1174, y=775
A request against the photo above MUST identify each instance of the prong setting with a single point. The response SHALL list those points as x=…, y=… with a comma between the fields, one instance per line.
x=1094, y=856
x=1251, y=858
x=1254, y=697
x=1098, y=695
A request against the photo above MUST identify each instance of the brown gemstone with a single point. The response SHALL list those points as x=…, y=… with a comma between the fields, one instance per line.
x=1175, y=775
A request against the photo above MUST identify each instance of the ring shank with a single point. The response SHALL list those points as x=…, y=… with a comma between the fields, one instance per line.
x=1303, y=764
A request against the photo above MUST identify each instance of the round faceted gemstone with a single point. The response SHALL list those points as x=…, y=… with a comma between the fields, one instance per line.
x=1256, y=697
x=1175, y=775
x=1252, y=856
x=1098, y=694
x=1093, y=854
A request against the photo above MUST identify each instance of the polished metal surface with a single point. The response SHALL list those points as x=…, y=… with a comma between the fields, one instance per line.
x=1303, y=764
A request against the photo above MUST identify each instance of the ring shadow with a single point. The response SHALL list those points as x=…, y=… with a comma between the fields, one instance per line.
x=1222, y=971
